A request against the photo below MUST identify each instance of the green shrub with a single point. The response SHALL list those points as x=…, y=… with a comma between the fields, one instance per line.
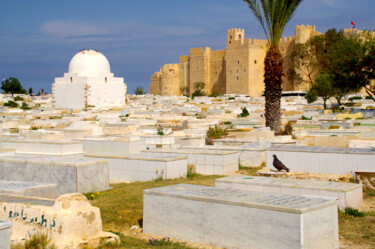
x=305, y=118
x=191, y=171
x=245, y=112
x=368, y=97
x=227, y=123
x=39, y=240
x=160, y=242
x=92, y=195
x=332, y=127
x=11, y=103
x=214, y=95
x=353, y=212
x=216, y=132
x=231, y=98
x=357, y=124
x=18, y=98
x=198, y=89
x=355, y=97
x=160, y=131
x=25, y=106
x=311, y=96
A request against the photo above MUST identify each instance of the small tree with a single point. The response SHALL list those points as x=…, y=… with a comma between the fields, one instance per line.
x=12, y=85
x=323, y=87
x=198, y=89
x=30, y=91
x=304, y=63
x=139, y=91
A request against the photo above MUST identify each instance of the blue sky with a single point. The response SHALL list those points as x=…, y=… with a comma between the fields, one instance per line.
x=39, y=37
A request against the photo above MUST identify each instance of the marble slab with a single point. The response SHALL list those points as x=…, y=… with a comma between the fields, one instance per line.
x=247, y=156
x=107, y=147
x=5, y=232
x=207, y=162
x=59, y=148
x=70, y=175
x=347, y=194
x=144, y=167
x=33, y=189
x=327, y=160
x=233, y=218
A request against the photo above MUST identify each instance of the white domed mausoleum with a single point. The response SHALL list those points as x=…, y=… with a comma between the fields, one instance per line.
x=89, y=82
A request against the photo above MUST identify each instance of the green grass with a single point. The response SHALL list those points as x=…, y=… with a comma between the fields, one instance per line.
x=121, y=207
x=131, y=242
x=250, y=171
x=357, y=229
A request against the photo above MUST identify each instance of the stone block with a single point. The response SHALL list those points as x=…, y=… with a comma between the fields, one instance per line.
x=347, y=194
x=233, y=218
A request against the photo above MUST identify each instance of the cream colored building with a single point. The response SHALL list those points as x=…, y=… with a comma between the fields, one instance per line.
x=238, y=69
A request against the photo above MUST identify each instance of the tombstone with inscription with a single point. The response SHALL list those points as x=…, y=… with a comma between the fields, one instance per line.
x=348, y=194
x=234, y=218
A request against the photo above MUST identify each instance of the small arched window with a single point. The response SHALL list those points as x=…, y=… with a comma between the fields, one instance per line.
x=106, y=80
x=255, y=62
x=239, y=37
x=71, y=79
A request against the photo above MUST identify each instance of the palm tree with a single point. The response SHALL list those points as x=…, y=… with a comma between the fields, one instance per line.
x=273, y=15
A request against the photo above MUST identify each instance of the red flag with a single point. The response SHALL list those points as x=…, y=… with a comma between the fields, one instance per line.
x=353, y=23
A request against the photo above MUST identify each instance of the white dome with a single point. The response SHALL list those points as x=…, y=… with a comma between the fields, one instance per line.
x=89, y=62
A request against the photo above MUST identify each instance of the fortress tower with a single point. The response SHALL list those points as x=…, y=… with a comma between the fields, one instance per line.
x=239, y=69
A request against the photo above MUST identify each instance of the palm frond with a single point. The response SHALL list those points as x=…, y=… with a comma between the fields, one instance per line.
x=273, y=15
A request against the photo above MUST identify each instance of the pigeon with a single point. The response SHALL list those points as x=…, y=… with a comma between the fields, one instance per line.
x=278, y=164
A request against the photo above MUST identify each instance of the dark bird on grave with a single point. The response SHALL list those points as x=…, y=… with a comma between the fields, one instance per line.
x=147, y=148
x=278, y=164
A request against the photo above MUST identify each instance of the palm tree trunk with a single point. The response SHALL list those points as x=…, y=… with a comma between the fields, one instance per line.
x=273, y=74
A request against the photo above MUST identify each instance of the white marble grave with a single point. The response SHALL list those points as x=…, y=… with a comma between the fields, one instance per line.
x=328, y=160
x=40, y=147
x=144, y=167
x=207, y=162
x=33, y=189
x=233, y=218
x=247, y=156
x=5, y=232
x=113, y=146
x=71, y=175
x=348, y=194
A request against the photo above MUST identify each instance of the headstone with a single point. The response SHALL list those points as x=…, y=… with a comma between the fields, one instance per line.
x=239, y=219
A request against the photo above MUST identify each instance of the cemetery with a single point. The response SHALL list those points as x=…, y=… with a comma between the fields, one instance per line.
x=158, y=154
x=232, y=148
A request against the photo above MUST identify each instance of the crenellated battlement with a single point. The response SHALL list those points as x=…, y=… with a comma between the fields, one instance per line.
x=285, y=41
x=234, y=35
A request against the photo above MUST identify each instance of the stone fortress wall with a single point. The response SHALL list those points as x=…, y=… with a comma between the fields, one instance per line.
x=236, y=70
